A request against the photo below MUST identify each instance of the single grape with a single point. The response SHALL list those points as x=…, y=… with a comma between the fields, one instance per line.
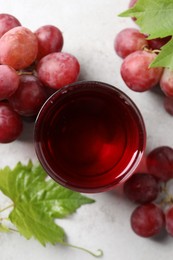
x=156, y=44
x=169, y=221
x=136, y=73
x=168, y=105
x=141, y=188
x=18, y=48
x=58, y=69
x=160, y=163
x=129, y=40
x=50, y=40
x=10, y=124
x=29, y=97
x=7, y=22
x=166, y=82
x=147, y=220
x=9, y=81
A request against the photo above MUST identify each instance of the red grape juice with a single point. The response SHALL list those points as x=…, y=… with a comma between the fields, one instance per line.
x=89, y=136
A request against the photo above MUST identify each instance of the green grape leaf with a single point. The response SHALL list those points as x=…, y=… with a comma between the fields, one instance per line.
x=154, y=17
x=165, y=57
x=38, y=201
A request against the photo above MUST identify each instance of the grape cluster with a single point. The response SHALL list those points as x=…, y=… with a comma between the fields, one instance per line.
x=154, y=212
x=32, y=67
x=138, y=53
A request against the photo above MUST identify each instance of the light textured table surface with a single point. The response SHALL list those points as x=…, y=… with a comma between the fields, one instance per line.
x=89, y=28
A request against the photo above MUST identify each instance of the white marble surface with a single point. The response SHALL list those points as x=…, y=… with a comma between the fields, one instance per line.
x=89, y=28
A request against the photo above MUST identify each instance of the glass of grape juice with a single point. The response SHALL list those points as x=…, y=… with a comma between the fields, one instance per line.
x=89, y=136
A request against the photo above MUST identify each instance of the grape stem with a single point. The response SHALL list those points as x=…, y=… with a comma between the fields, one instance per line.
x=156, y=51
x=9, y=206
x=2, y=219
x=150, y=50
x=168, y=199
x=98, y=254
x=14, y=230
x=99, y=251
x=8, y=228
x=20, y=72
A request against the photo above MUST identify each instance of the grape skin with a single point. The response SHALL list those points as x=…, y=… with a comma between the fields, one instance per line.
x=128, y=41
x=9, y=81
x=160, y=163
x=136, y=73
x=141, y=188
x=156, y=44
x=168, y=105
x=18, y=48
x=58, y=69
x=132, y=3
x=169, y=221
x=147, y=220
x=50, y=40
x=10, y=124
x=29, y=97
x=7, y=22
x=166, y=82
x=25, y=94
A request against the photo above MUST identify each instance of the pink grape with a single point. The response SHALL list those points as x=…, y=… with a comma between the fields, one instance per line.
x=50, y=40
x=166, y=82
x=136, y=73
x=29, y=97
x=9, y=81
x=132, y=3
x=7, y=22
x=141, y=188
x=58, y=69
x=160, y=163
x=18, y=48
x=169, y=221
x=129, y=40
x=10, y=124
x=147, y=220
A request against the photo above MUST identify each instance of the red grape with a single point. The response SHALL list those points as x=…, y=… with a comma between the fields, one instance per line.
x=166, y=82
x=136, y=73
x=168, y=105
x=9, y=81
x=129, y=40
x=50, y=40
x=7, y=22
x=169, y=221
x=58, y=69
x=141, y=188
x=10, y=124
x=29, y=97
x=147, y=220
x=160, y=162
x=156, y=44
x=18, y=48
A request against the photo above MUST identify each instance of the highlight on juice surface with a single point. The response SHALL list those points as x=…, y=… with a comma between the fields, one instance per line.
x=89, y=136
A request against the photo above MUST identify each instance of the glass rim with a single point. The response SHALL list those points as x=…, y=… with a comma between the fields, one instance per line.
x=66, y=90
